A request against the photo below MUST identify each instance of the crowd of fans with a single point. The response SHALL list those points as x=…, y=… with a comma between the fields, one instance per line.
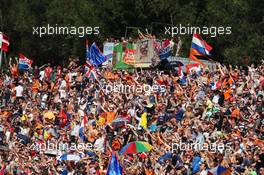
x=221, y=110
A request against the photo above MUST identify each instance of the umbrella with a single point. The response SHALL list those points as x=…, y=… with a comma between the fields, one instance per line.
x=119, y=121
x=136, y=147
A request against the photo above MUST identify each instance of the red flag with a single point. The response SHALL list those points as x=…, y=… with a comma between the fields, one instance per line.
x=4, y=43
x=63, y=117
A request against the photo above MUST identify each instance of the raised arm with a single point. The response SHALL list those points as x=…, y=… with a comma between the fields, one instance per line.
x=42, y=66
x=16, y=60
x=220, y=69
x=10, y=61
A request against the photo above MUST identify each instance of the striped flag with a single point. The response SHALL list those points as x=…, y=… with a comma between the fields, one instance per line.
x=82, y=128
x=199, y=48
x=4, y=43
x=165, y=51
x=24, y=63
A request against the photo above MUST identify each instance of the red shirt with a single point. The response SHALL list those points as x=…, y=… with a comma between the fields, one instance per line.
x=48, y=70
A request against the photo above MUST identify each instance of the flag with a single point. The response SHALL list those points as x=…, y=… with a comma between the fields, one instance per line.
x=219, y=170
x=4, y=43
x=96, y=57
x=114, y=167
x=24, y=63
x=199, y=48
x=73, y=157
x=165, y=50
x=82, y=128
x=91, y=72
x=192, y=67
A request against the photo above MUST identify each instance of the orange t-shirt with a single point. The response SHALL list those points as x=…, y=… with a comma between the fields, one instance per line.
x=35, y=86
x=149, y=172
x=227, y=94
x=235, y=113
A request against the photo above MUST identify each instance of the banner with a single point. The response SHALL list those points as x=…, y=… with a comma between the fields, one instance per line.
x=139, y=54
x=108, y=52
x=144, y=52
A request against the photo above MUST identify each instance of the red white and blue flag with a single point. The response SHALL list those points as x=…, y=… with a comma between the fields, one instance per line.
x=165, y=51
x=199, y=48
x=24, y=63
x=82, y=128
x=91, y=72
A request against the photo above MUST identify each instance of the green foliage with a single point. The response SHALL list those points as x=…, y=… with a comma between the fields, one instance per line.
x=18, y=17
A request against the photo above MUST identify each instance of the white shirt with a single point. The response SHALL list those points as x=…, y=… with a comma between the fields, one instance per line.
x=216, y=99
x=62, y=93
x=19, y=91
x=131, y=112
x=99, y=144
